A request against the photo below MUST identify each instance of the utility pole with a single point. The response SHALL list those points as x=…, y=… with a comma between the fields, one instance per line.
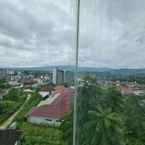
x=76, y=47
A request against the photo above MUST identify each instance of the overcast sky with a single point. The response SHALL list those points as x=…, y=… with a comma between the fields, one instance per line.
x=41, y=32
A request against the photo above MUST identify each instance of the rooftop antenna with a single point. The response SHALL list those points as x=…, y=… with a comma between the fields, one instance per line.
x=76, y=47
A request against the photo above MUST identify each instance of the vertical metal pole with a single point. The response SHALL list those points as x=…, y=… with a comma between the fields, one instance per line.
x=76, y=45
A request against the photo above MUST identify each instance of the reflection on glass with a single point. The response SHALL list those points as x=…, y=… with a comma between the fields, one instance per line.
x=110, y=101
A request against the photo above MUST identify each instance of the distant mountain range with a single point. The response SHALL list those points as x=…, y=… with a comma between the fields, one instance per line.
x=124, y=71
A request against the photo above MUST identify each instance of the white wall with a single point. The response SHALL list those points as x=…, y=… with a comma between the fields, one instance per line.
x=44, y=120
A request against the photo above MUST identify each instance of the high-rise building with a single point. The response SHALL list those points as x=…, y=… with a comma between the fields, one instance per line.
x=2, y=73
x=58, y=76
x=69, y=77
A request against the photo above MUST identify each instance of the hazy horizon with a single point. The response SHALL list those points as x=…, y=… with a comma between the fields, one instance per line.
x=67, y=66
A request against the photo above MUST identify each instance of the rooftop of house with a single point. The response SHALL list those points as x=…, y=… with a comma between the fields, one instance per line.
x=59, y=89
x=58, y=107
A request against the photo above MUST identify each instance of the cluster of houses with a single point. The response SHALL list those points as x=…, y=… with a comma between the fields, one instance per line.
x=125, y=87
x=32, y=80
x=53, y=87
x=132, y=88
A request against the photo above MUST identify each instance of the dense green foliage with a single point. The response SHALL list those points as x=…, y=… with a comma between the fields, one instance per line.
x=16, y=95
x=40, y=135
x=6, y=109
x=139, y=78
x=67, y=128
x=11, y=103
x=7, y=106
x=3, y=84
x=105, y=117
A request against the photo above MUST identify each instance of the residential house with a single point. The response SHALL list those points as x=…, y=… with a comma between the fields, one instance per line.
x=53, y=112
x=126, y=90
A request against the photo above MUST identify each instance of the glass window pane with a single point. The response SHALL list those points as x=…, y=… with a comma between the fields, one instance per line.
x=110, y=101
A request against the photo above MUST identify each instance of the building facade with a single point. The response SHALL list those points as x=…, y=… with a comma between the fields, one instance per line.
x=69, y=77
x=58, y=76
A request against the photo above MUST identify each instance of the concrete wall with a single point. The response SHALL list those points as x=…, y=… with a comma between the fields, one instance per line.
x=44, y=120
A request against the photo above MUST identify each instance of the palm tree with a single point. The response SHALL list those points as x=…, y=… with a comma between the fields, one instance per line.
x=134, y=118
x=113, y=99
x=67, y=128
x=103, y=128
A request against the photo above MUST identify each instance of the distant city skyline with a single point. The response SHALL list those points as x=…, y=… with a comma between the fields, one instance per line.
x=40, y=33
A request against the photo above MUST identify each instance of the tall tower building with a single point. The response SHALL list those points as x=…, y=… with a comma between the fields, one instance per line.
x=58, y=76
x=69, y=77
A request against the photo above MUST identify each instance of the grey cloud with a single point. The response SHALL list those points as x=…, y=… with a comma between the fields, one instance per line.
x=34, y=32
x=21, y=20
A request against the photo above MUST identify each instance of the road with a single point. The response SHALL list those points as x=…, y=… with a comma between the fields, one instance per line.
x=12, y=117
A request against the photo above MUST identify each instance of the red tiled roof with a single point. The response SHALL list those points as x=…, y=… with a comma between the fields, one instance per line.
x=57, y=109
x=126, y=89
x=59, y=89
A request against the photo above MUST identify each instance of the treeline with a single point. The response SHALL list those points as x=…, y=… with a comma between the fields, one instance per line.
x=130, y=78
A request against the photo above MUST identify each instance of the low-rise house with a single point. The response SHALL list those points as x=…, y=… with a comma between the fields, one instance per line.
x=126, y=90
x=28, y=83
x=131, y=88
x=52, y=113
x=14, y=83
x=47, y=87
x=139, y=92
